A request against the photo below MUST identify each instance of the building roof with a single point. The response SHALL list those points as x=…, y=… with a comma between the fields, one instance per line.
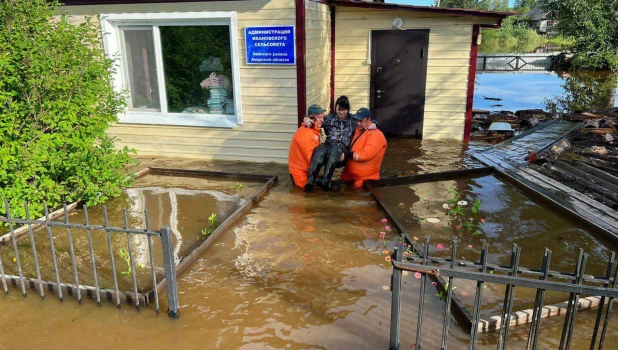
x=119, y=2
x=415, y=8
x=349, y=3
x=534, y=15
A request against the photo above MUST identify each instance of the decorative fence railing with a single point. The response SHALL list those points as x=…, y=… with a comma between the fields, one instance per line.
x=511, y=276
x=75, y=287
x=516, y=62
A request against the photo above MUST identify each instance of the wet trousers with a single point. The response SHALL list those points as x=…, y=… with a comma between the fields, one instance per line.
x=327, y=156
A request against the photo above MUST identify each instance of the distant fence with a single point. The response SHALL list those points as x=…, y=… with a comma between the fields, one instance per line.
x=516, y=62
x=75, y=287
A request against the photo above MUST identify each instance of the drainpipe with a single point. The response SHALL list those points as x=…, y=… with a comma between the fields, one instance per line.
x=301, y=71
x=471, y=77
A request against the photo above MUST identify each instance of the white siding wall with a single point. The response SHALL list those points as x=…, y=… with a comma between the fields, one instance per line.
x=268, y=94
x=317, y=25
x=447, y=66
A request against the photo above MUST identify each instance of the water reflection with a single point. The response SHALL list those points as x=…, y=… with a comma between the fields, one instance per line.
x=580, y=90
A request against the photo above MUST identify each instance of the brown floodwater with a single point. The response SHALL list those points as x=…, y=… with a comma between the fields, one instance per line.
x=297, y=271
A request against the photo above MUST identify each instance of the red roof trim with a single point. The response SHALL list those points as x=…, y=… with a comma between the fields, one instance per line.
x=426, y=9
x=471, y=79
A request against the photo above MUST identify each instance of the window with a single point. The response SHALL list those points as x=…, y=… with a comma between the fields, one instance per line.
x=178, y=68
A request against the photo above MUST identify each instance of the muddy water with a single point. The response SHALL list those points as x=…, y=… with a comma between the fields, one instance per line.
x=184, y=204
x=298, y=271
x=506, y=216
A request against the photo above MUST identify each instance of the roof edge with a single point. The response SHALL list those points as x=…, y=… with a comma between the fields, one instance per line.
x=127, y=2
x=425, y=9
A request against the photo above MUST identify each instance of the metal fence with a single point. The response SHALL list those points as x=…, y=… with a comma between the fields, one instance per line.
x=512, y=276
x=516, y=62
x=74, y=287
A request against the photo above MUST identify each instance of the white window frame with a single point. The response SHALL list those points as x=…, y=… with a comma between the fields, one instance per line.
x=112, y=44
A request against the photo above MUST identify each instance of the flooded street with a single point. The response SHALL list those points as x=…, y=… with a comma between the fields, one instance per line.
x=516, y=91
x=298, y=271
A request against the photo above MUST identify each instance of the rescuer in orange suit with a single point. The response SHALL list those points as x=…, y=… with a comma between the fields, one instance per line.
x=366, y=151
x=305, y=140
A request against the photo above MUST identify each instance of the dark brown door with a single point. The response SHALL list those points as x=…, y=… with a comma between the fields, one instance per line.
x=398, y=74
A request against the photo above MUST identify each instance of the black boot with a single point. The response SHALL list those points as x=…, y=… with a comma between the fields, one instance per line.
x=317, y=160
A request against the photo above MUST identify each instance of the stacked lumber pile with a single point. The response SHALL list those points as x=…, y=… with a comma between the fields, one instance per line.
x=588, y=161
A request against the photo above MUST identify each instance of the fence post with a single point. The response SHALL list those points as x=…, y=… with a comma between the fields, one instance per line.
x=173, y=309
x=396, y=298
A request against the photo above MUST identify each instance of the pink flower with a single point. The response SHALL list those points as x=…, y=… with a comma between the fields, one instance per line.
x=388, y=258
x=384, y=221
x=434, y=283
x=428, y=199
x=471, y=219
x=388, y=228
x=482, y=220
x=458, y=227
x=440, y=246
x=469, y=245
x=417, y=275
x=401, y=204
x=382, y=234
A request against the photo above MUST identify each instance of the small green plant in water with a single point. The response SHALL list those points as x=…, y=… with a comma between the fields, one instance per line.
x=125, y=255
x=443, y=295
x=458, y=210
x=238, y=186
x=212, y=225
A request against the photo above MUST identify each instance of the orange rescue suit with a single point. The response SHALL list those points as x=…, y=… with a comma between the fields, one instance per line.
x=305, y=140
x=369, y=148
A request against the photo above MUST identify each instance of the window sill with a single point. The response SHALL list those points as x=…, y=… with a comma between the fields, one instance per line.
x=181, y=119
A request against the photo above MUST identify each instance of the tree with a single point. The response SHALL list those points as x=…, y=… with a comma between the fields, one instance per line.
x=56, y=101
x=593, y=26
x=523, y=6
x=493, y=5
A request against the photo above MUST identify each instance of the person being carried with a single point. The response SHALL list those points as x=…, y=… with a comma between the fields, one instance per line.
x=366, y=151
x=305, y=140
x=339, y=128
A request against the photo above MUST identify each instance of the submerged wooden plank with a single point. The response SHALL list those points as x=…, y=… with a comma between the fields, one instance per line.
x=525, y=316
x=204, y=173
x=430, y=177
x=69, y=289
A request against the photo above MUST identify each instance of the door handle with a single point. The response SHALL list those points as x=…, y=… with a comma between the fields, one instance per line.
x=381, y=92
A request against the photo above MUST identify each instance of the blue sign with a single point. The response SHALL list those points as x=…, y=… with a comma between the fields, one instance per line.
x=270, y=45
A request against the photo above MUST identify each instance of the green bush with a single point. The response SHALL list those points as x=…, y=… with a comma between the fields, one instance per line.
x=56, y=101
x=514, y=37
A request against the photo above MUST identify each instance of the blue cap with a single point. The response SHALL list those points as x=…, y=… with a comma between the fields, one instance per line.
x=315, y=109
x=361, y=114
